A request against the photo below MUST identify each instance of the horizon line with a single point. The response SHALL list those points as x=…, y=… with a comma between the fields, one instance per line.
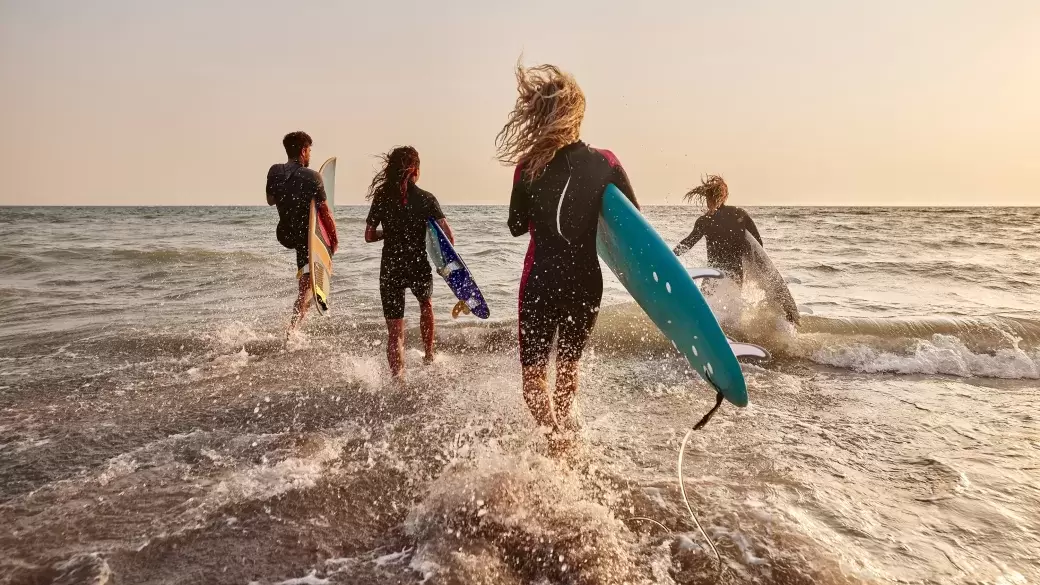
x=848, y=206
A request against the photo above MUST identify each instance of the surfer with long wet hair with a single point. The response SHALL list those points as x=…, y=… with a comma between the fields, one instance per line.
x=725, y=230
x=402, y=209
x=722, y=227
x=291, y=186
x=558, y=186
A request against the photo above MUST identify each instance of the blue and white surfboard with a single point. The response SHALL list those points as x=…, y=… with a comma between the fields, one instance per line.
x=450, y=266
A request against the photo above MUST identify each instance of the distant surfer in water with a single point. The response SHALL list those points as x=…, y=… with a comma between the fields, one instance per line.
x=402, y=208
x=291, y=187
x=722, y=226
x=726, y=230
x=558, y=187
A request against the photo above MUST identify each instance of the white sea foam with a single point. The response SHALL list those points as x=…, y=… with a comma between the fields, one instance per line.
x=942, y=354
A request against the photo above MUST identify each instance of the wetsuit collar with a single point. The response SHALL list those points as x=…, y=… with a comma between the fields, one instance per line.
x=574, y=145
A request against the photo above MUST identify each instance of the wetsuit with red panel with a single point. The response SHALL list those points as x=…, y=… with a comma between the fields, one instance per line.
x=562, y=286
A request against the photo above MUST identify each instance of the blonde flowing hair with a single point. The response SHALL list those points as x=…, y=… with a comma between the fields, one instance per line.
x=712, y=191
x=547, y=116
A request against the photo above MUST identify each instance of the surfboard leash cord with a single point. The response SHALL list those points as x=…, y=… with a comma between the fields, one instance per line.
x=704, y=420
x=682, y=484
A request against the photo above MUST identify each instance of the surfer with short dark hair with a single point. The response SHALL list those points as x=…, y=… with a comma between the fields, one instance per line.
x=722, y=227
x=557, y=195
x=402, y=208
x=291, y=186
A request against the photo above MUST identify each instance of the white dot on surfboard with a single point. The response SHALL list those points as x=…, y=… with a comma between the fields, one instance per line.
x=655, y=277
x=668, y=287
x=710, y=371
x=694, y=348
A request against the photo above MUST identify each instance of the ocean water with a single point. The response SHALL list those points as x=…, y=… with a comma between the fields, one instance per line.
x=155, y=428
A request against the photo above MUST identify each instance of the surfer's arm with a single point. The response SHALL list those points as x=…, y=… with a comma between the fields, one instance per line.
x=749, y=225
x=272, y=199
x=434, y=212
x=690, y=240
x=620, y=180
x=319, y=193
x=314, y=184
x=375, y=217
x=519, y=205
x=372, y=234
x=618, y=176
x=325, y=215
x=447, y=230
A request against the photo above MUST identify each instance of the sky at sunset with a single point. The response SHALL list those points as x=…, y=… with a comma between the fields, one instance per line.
x=142, y=102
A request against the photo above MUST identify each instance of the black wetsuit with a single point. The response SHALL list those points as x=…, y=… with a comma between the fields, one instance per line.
x=404, y=263
x=562, y=285
x=292, y=186
x=724, y=232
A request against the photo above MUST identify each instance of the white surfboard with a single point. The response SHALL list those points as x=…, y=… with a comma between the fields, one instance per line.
x=760, y=269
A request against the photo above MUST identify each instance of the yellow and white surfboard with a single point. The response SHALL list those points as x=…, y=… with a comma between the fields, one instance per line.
x=321, y=234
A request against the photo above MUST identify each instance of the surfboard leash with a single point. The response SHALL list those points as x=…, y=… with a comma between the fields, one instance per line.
x=682, y=484
x=704, y=420
x=682, y=489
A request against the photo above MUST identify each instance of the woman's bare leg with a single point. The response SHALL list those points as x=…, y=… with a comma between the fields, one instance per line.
x=395, y=346
x=536, y=394
x=566, y=390
x=303, y=301
x=426, y=327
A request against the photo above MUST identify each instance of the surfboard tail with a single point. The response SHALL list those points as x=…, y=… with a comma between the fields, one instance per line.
x=450, y=266
x=460, y=308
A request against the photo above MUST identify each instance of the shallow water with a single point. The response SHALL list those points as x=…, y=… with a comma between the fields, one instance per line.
x=153, y=427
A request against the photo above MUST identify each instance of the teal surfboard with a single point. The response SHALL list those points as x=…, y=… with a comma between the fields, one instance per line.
x=666, y=291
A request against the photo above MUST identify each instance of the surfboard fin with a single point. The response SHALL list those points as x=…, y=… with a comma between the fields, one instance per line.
x=696, y=273
x=460, y=308
x=747, y=350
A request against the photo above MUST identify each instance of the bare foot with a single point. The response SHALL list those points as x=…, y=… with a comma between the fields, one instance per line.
x=561, y=445
x=569, y=424
x=429, y=358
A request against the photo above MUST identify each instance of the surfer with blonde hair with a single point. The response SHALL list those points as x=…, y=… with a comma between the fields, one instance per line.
x=722, y=226
x=558, y=186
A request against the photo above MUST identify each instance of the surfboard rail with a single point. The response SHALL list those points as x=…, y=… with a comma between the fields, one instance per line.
x=657, y=280
x=322, y=239
x=450, y=266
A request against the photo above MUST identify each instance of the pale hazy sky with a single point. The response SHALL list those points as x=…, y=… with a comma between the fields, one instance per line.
x=886, y=102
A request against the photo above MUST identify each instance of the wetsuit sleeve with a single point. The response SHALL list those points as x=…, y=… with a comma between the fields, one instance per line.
x=273, y=193
x=692, y=239
x=319, y=194
x=375, y=213
x=433, y=207
x=519, y=205
x=619, y=177
x=317, y=186
x=749, y=225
